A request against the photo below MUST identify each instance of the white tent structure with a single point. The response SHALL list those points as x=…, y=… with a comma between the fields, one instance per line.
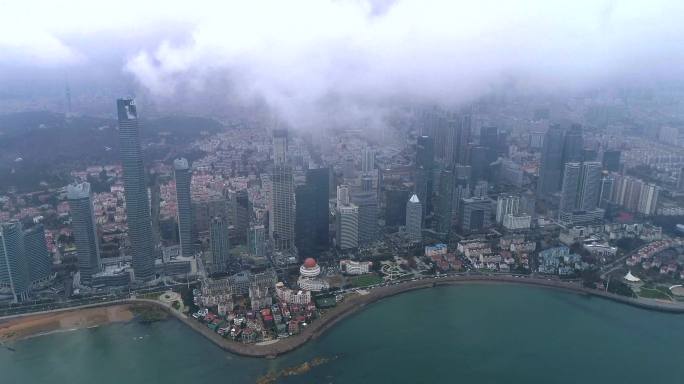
x=631, y=278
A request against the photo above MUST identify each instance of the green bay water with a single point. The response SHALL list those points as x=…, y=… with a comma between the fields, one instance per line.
x=457, y=334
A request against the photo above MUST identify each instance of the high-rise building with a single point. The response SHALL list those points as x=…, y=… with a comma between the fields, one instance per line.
x=580, y=193
x=590, y=186
x=414, y=222
x=611, y=160
x=220, y=245
x=203, y=210
x=480, y=157
x=461, y=191
x=570, y=191
x=536, y=140
x=507, y=204
x=573, y=144
x=347, y=226
x=37, y=255
x=343, y=195
x=282, y=214
x=680, y=179
x=551, y=165
x=312, y=213
x=256, y=240
x=84, y=230
x=425, y=165
x=183, y=176
x=135, y=191
x=367, y=203
x=446, y=201
x=474, y=214
x=648, y=199
x=481, y=189
x=395, y=206
x=368, y=160
x=494, y=142
x=14, y=267
x=463, y=141
x=606, y=193
x=242, y=215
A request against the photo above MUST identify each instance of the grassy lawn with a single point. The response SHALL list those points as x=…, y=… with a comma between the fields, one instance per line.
x=365, y=280
x=650, y=293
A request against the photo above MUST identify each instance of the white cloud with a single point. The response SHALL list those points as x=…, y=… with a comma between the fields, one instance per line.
x=297, y=53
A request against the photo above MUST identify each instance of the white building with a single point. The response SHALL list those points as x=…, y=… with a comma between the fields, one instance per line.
x=290, y=296
x=351, y=267
x=506, y=204
x=348, y=226
x=513, y=222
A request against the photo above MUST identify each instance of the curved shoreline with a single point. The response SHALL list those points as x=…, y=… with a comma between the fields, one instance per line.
x=357, y=302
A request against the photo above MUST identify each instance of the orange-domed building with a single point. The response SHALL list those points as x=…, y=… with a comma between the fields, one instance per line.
x=310, y=268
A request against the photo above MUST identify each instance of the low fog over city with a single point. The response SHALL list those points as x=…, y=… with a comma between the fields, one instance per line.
x=341, y=191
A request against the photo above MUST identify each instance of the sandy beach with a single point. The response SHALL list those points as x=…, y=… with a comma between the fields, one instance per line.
x=23, y=327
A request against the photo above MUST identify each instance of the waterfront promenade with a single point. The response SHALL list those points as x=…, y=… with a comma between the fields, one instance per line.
x=355, y=302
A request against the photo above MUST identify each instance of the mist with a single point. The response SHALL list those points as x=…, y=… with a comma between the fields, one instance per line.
x=317, y=61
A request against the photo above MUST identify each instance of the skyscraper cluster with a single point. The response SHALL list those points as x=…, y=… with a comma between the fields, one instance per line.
x=635, y=194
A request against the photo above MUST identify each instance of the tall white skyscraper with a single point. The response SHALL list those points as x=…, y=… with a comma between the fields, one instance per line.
x=414, y=212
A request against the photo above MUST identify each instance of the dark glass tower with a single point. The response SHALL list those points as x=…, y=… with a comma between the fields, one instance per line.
x=135, y=191
x=183, y=177
x=611, y=160
x=425, y=163
x=312, y=213
x=84, y=229
x=551, y=165
x=220, y=245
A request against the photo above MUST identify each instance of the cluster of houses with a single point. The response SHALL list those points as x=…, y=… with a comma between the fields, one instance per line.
x=278, y=320
x=648, y=258
x=511, y=252
x=443, y=260
x=559, y=261
x=274, y=311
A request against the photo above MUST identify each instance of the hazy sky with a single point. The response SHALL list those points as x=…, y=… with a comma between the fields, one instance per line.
x=302, y=55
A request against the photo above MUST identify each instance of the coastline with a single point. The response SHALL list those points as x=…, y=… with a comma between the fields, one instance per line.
x=327, y=320
x=24, y=327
